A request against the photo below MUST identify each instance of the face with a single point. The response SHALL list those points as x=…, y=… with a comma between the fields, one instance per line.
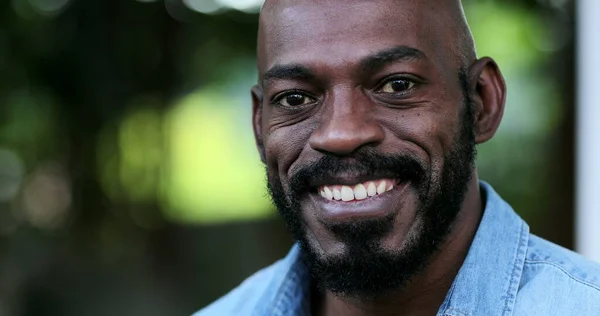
x=365, y=123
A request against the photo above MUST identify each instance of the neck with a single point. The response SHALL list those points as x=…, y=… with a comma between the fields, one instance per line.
x=426, y=291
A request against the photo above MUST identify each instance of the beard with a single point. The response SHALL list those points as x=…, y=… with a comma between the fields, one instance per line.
x=365, y=269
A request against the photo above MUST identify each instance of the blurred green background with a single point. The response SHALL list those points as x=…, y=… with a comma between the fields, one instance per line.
x=129, y=180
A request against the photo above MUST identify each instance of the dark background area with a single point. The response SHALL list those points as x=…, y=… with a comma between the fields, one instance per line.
x=129, y=182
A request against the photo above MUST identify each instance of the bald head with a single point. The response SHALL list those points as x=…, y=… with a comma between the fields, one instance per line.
x=438, y=25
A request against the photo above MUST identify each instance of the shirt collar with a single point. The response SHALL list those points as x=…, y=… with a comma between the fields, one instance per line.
x=486, y=284
x=488, y=280
x=289, y=291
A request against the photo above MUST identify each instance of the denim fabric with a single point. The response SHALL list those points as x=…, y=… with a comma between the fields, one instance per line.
x=508, y=271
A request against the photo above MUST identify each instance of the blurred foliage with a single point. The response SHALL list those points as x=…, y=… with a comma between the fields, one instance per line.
x=527, y=46
x=204, y=141
x=129, y=179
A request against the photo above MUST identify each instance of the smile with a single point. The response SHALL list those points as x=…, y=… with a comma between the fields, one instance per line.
x=357, y=192
x=345, y=200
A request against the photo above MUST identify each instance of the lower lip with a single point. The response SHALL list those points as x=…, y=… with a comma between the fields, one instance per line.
x=378, y=206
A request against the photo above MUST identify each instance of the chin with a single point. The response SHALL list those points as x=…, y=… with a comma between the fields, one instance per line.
x=383, y=230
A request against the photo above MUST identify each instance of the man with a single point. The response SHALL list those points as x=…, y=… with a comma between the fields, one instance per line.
x=366, y=116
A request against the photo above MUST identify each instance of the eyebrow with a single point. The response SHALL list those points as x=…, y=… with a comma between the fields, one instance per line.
x=289, y=72
x=371, y=63
x=378, y=60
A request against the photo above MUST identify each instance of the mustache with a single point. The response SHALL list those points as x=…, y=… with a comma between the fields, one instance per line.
x=365, y=162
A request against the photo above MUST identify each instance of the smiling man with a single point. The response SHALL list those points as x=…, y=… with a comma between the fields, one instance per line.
x=366, y=115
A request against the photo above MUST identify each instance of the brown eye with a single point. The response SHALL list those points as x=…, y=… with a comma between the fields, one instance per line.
x=295, y=99
x=397, y=85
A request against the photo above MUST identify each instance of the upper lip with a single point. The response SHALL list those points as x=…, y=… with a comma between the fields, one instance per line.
x=346, y=179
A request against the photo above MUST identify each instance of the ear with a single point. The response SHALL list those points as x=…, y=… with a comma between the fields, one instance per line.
x=488, y=89
x=257, y=100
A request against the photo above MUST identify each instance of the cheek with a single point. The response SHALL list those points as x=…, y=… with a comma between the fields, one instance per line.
x=284, y=145
x=423, y=129
x=429, y=131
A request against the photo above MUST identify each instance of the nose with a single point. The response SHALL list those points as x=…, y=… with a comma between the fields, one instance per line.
x=346, y=128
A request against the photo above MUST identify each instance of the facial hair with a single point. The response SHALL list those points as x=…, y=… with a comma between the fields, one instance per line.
x=365, y=269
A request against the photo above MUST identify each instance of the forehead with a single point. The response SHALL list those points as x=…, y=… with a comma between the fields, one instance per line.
x=340, y=32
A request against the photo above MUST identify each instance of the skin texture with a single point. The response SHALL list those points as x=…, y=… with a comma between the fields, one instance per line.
x=320, y=56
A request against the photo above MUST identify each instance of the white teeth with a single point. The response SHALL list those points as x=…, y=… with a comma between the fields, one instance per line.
x=347, y=193
x=381, y=187
x=360, y=192
x=328, y=193
x=337, y=195
x=371, y=189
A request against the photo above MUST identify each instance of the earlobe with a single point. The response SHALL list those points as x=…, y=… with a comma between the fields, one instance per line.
x=488, y=89
x=257, y=100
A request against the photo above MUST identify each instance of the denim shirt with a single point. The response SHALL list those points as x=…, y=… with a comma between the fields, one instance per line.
x=507, y=271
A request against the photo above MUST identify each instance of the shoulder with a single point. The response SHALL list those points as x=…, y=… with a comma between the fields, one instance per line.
x=545, y=258
x=557, y=281
x=243, y=299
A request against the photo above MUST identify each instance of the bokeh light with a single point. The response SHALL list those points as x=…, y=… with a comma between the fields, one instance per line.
x=47, y=197
x=214, y=6
x=203, y=6
x=242, y=5
x=11, y=174
x=211, y=176
x=141, y=148
x=49, y=7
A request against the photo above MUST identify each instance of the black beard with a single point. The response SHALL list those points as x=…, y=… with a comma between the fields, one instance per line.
x=365, y=269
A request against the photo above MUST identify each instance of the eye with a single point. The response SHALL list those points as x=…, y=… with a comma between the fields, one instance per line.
x=396, y=85
x=294, y=99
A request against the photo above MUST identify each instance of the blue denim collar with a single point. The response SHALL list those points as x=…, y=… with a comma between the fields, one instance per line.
x=289, y=290
x=486, y=284
x=488, y=281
